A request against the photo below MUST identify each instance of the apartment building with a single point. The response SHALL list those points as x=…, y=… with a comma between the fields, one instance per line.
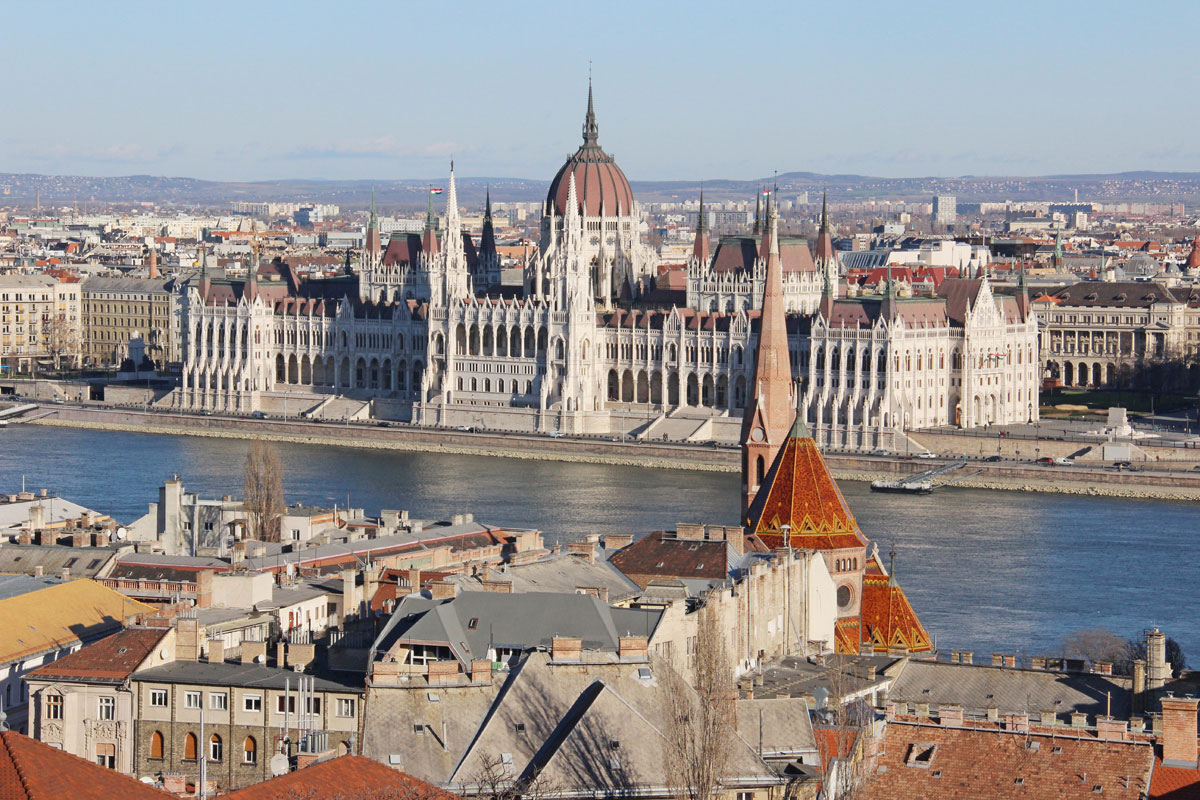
x=117, y=311
x=40, y=323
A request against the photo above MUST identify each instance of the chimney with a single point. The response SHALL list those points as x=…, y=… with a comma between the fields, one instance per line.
x=951, y=715
x=414, y=580
x=370, y=583
x=1018, y=722
x=1179, y=731
x=566, y=648
x=1157, y=668
x=25, y=536
x=617, y=541
x=216, y=651
x=968, y=656
x=686, y=530
x=1139, y=686
x=1103, y=667
x=187, y=639
x=481, y=671
x=1010, y=659
x=300, y=656
x=204, y=588
x=100, y=539
x=349, y=594
x=85, y=519
x=633, y=648
x=997, y=659
x=1037, y=662
x=1078, y=719
x=1111, y=729
x=443, y=590
x=442, y=671
x=239, y=554
x=79, y=539
x=254, y=652
x=735, y=535
x=39, y=571
x=586, y=550
x=66, y=573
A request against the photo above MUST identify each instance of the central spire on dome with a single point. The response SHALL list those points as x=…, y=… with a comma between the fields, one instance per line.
x=590, y=132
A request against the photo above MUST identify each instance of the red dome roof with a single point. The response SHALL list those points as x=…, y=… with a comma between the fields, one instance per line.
x=599, y=182
x=1193, y=259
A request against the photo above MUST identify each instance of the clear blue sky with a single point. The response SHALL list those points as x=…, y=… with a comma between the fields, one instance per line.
x=259, y=90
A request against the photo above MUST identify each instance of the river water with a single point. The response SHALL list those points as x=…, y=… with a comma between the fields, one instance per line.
x=986, y=570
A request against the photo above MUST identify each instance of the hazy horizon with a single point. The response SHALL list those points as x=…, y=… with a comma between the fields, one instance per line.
x=684, y=91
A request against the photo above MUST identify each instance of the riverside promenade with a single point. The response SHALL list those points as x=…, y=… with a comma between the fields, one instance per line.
x=1179, y=482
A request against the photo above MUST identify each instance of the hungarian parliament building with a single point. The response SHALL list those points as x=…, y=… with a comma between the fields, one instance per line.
x=420, y=333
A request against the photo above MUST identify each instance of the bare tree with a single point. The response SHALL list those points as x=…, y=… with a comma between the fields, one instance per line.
x=61, y=337
x=698, y=725
x=262, y=481
x=1095, y=644
x=843, y=722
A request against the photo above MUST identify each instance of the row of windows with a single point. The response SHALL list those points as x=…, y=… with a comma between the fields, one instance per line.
x=216, y=748
x=219, y=701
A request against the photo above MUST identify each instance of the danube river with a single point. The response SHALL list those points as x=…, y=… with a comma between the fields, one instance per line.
x=986, y=570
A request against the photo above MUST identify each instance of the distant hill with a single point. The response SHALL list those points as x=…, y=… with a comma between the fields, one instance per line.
x=412, y=194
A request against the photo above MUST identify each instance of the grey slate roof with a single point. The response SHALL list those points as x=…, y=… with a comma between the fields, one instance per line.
x=558, y=573
x=14, y=585
x=976, y=688
x=475, y=621
x=203, y=673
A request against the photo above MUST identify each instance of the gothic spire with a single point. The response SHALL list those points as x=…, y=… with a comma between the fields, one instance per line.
x=591, y=133
x=769, y=413
x=487, y=239
x=429, y=242
x=700, y=247
x=758, y=213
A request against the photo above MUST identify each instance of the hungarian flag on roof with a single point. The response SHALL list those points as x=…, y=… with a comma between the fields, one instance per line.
x=766, y=192
x=435, y=190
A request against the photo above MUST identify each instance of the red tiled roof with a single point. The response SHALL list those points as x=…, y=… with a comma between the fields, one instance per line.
x=888, y=619
x=932, y=762
x=664, y=555
x=799, y=492
x=112, y=658
x=30, y=769
x=347, y=776
x=1174, y=783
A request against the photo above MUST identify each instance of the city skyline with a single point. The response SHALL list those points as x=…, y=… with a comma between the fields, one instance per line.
x=873, y=91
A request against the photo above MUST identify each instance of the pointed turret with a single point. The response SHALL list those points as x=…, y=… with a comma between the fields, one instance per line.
x=700, y=246
x=487, y=240
x=769, y=234
x=757, y=214
x=1022, y=294
x=371, y=245
x=1058, y=251
x=769, y=414
x=591, y=133
x=888, y=307
x=205, y=282
x=429, y=241
x=825, y=251
x=250, y=290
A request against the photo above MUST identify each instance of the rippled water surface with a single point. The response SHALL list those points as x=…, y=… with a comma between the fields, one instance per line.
x=985, y=570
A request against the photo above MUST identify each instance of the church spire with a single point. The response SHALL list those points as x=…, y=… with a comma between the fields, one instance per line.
x=487, y=239
x=769, y=414
x=591, y=133
x=700, y=246
x=758, y=213
x=429, y=242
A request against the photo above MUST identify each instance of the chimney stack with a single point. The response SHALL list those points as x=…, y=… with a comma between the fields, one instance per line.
x=349, y=594
x=443, y=590
x=216, y=651
x=1157, y=668
x=566, y=648
x=1139, y=686
x=204, y=588
x=1179, y=731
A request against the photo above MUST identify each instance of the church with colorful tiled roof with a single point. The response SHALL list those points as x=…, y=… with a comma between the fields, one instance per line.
x=789, y=499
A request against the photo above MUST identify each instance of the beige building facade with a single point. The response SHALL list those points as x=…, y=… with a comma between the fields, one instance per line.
x=119, y=310
x=40, y=322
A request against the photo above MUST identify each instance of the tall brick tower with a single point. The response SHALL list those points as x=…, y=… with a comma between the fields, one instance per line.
x=769, y=413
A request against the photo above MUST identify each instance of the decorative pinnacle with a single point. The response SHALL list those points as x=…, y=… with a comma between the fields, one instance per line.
x=824, y=213
x=700, y=223
x=591, y=133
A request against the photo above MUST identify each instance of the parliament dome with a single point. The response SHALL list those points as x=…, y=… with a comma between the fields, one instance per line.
x=599, y=182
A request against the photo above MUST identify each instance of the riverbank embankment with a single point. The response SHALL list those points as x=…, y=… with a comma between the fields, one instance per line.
x=1019, y=476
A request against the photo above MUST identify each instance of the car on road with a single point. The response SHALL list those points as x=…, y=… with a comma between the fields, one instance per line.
x=880, y=451
x=1045, y=460
x=258, y=415
x=466, y=429
x=557, y=434
x=993, y=459
x=927, y=455
x=1064, y=462
x=205, y=413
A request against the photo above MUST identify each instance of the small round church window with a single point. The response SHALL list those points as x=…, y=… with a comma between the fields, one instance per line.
x=843, y=596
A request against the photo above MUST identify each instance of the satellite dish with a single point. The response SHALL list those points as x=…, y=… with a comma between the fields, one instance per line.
x=121, y=534
x=279, y=765
x=164, y=654
x=260, y=659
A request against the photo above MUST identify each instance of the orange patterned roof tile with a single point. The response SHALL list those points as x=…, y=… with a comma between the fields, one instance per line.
x=845, y=636
x=888, y=619
x=798, y=491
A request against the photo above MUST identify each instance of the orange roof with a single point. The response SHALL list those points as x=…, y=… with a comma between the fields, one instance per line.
x=347, y=776
x=1174, y=783
x=888, y=619
x=30, y=769
x=111, y=659
x=845, y=636
x=798, y=491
